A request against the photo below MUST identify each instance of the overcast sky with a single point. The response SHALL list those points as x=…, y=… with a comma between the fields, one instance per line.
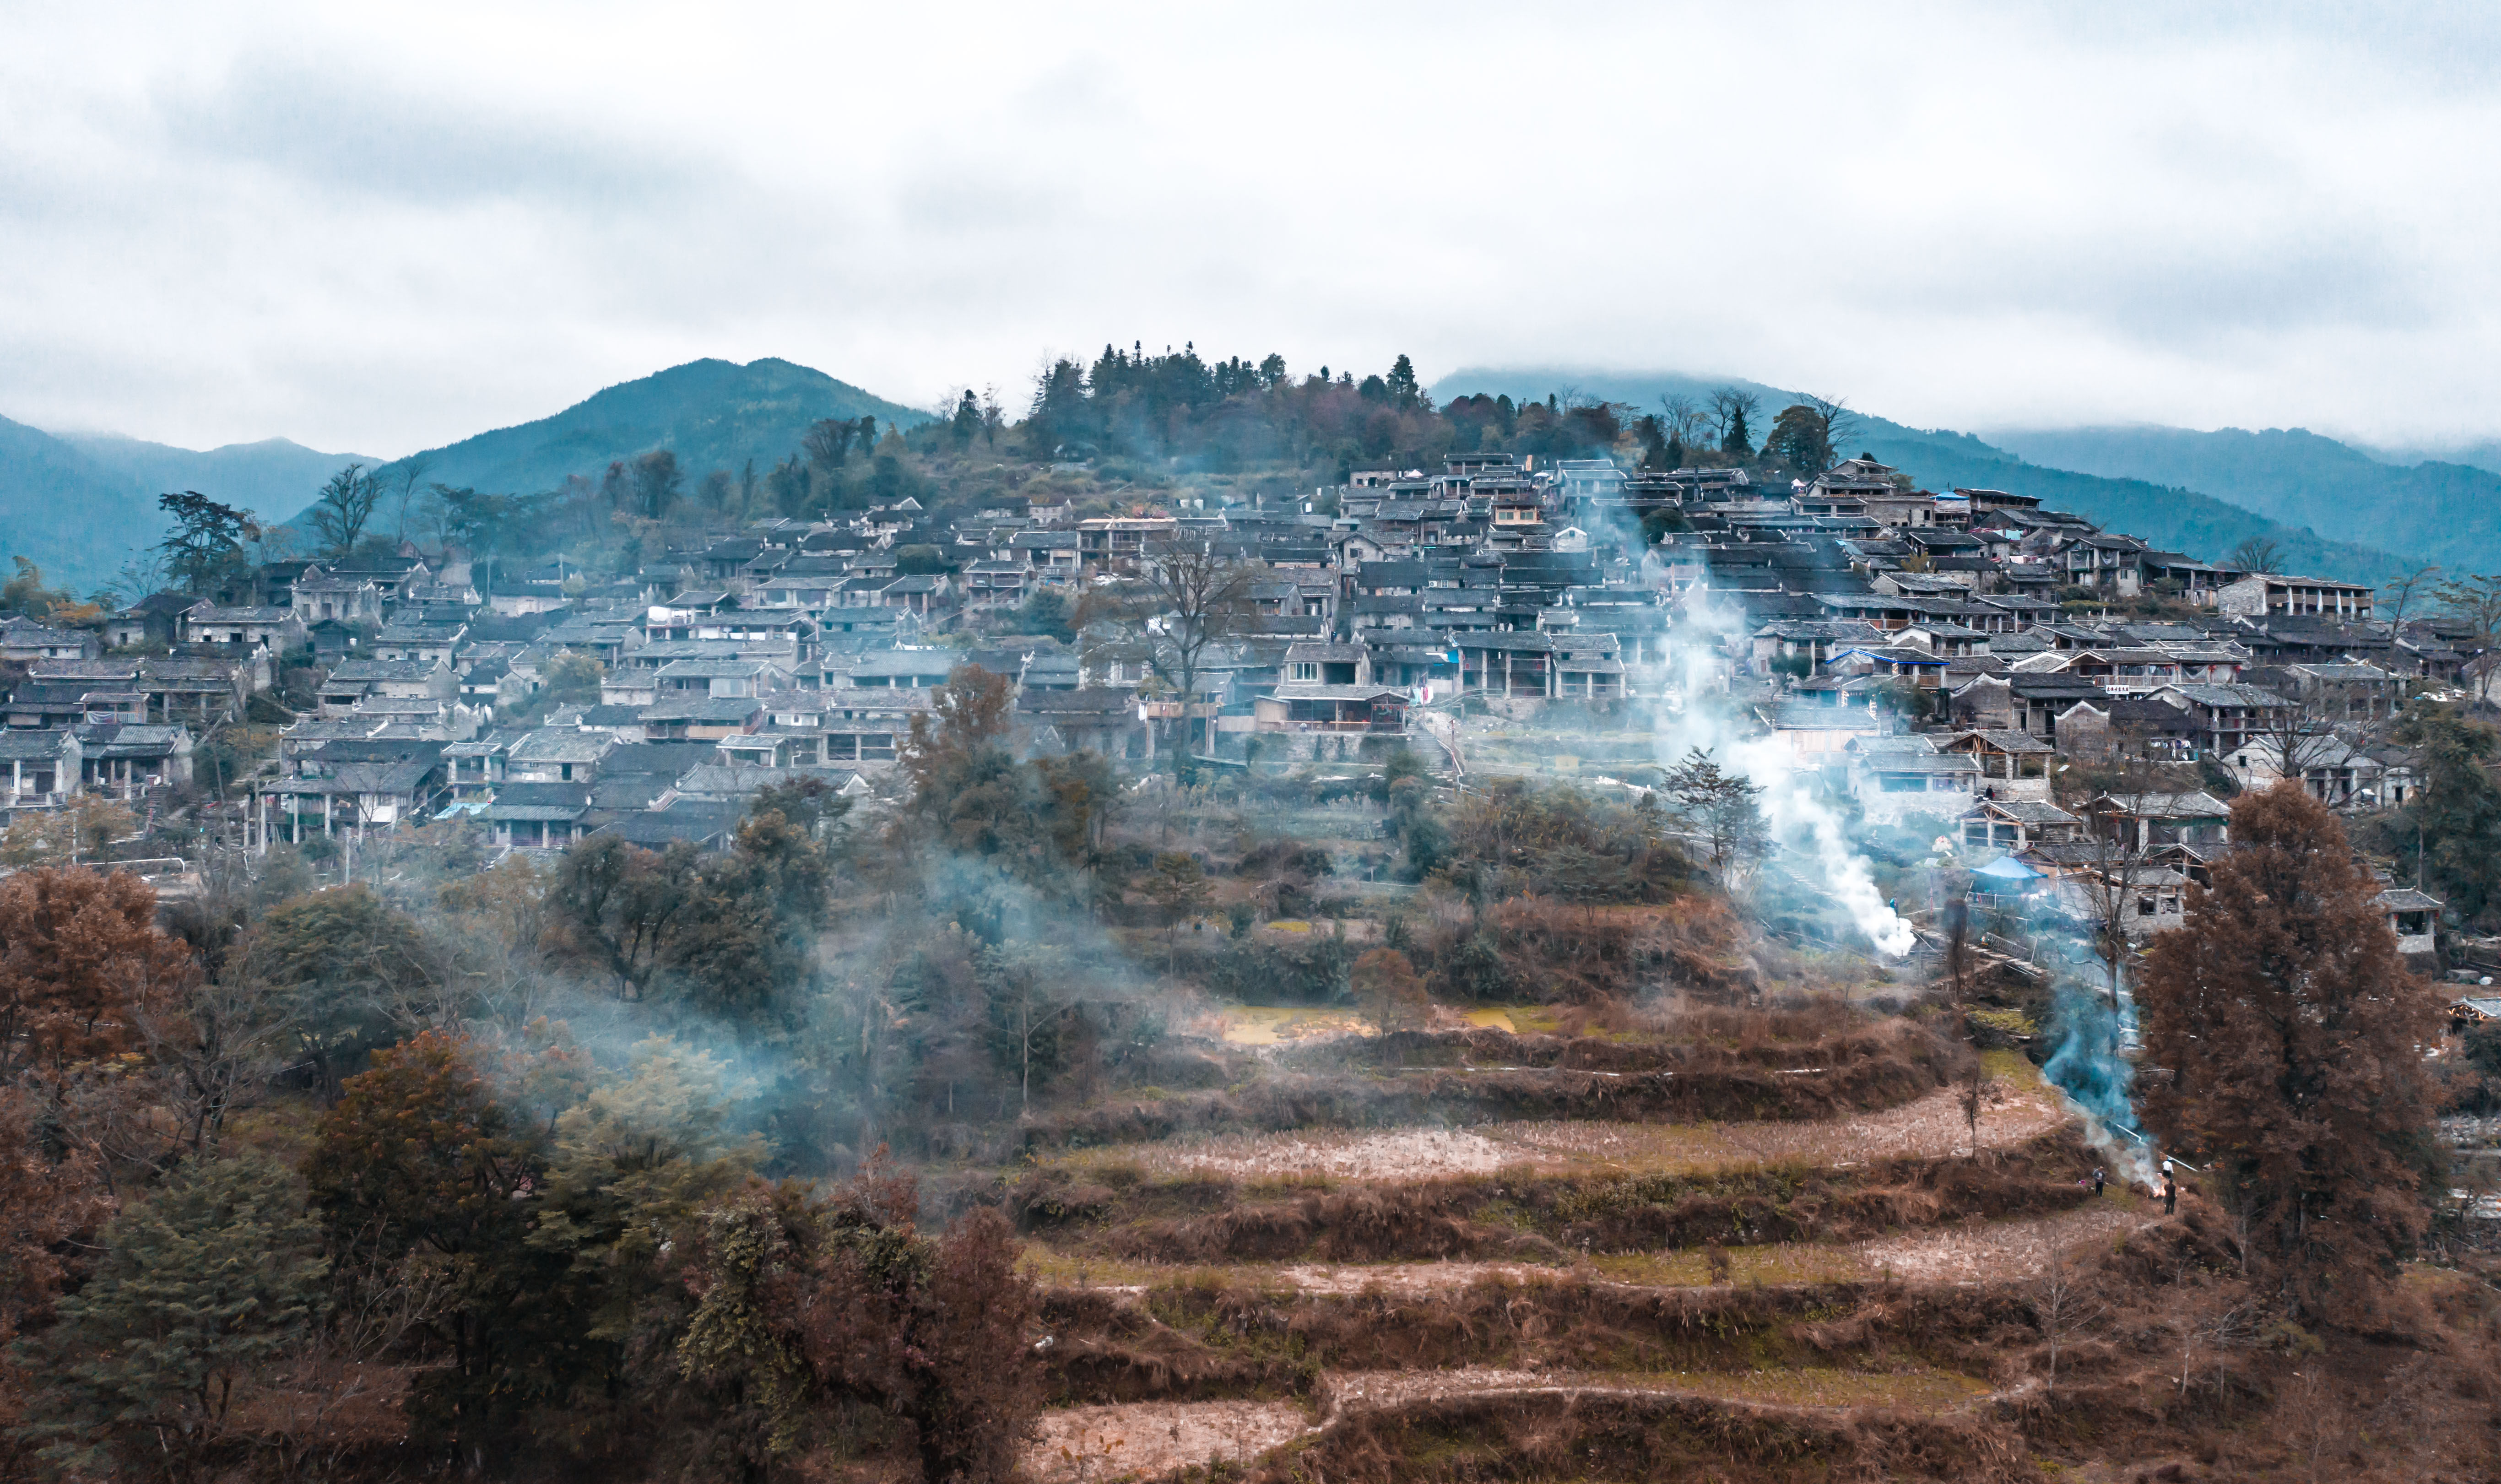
x=378, y=229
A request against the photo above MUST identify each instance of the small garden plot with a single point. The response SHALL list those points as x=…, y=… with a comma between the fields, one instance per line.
x=1278, y=1025
x=1402, y=1278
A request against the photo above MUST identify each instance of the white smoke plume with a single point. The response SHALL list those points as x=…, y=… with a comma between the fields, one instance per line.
x=1806, y=827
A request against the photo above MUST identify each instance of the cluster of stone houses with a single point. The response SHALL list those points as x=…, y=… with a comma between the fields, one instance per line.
x=799, y=647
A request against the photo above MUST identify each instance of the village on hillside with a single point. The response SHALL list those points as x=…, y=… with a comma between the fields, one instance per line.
x=1935, y=660
x=1674, y=958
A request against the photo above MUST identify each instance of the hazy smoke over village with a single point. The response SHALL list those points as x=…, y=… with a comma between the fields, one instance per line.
x=1617, y=744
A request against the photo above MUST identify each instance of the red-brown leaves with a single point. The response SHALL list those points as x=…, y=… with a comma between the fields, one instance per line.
x=2296, y=1037
x=80, y=959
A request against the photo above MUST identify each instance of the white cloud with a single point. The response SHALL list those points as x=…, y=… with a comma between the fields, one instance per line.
x=383, y=228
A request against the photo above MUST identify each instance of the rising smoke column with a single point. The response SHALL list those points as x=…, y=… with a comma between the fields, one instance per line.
x=2090, y=1066
x=1802, y=822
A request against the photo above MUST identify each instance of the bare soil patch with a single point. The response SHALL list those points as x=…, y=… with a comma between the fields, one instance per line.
x=1912, y=1388
x=1998, y=1251
x=1079, y=1443
x=1395, y=1154
x=1930, y=1128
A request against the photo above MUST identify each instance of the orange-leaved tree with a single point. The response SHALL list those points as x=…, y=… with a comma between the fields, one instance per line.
x=52, y=1204
x=1390, y=990
x=2295, y=1038
x=81, y=961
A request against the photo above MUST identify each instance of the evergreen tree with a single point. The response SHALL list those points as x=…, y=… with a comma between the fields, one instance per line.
x=204, y=552
x=2294, y=1036
x=1402, y=384
x=2453, y=825
x=212, y=1279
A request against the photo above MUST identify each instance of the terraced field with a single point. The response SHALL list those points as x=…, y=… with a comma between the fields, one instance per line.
x=1354, y=1255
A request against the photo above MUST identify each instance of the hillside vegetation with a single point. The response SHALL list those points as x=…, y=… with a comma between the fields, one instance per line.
x=713, y=414
x=2174, y=514
x=2447, y=514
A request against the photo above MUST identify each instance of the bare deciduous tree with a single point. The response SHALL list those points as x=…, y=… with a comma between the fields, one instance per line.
x=2064, y=1304
x=2114, y=869
x=2401, y=592
x=2257, y=554
x=346, y=503
x=1183, y=599
x=2474, y=601
x=1838, y=420
x=1733, y=411
x=405, y=476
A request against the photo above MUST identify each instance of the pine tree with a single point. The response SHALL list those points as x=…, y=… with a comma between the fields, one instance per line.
x=216, y=1276
x=2455, y=820
x=2294, y=1036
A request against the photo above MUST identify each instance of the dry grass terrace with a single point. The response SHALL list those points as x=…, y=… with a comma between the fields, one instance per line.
x=1930, y=1128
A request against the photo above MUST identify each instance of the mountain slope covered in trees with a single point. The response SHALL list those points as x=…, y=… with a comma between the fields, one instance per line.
x=78, y=516
x=711, y=414
x=2431, y=512
x=272, y=477
x=2195, y=522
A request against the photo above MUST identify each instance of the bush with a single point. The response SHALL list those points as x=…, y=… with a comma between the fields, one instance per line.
x=1266, y=973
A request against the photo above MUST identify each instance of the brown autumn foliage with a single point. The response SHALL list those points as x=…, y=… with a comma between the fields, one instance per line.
x=80, y=959
x=49, y=1210
x=1390, y=990
x=807, y=1307
x=2295, y=1037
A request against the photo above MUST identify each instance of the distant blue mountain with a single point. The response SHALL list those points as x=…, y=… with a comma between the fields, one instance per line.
x=270, y=478
x=2192, y=520
x=82, y=504
x=2427, y=512
x=74, y=516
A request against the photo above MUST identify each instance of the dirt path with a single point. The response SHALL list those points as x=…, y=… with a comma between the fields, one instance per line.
x=1145, y=1438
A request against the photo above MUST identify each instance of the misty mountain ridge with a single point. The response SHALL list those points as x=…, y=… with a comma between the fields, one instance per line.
x=83, y=503
x=2429, y=511
x=77, y=515
x=2172, y=515
x=272, y=476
